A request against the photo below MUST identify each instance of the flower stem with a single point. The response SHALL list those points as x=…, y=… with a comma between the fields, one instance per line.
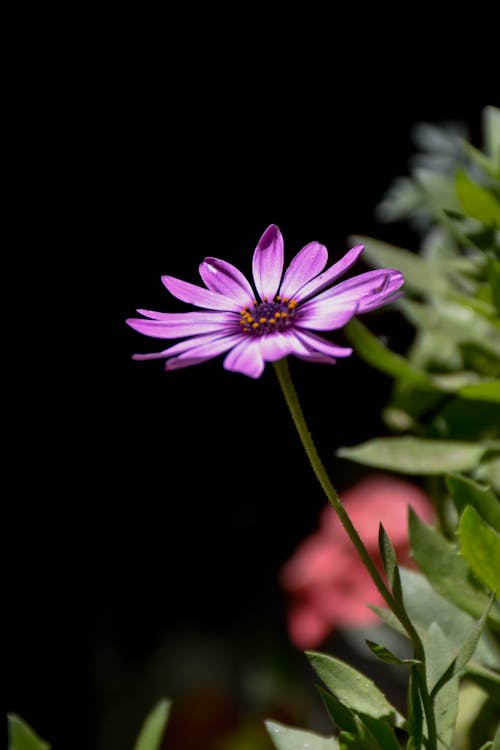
x=283, y=372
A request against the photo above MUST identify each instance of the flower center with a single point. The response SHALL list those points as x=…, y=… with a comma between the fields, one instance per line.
x=266, y=317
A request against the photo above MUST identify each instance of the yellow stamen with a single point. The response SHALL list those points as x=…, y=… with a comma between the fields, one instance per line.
x=255, y=325
x=262, y=320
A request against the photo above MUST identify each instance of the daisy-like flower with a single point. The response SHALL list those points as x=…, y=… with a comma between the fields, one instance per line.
x=280, y=319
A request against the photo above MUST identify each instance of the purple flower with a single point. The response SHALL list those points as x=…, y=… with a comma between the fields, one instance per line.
x=280, y=320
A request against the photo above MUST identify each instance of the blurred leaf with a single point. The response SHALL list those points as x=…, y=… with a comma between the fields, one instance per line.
x=466, y=492
x=464, y=654
x=352, y=688
x=342, y=717
x=496, y=740
x=418, y=276
x=411, y=455
x=463, y=419
x=494, y=279
x=387, y=656
x=489, y=391
x=487, y=679
x=379, y=356
x=439, y=189
x=447, y=571
x=480, y=545
x=438, y=652
x=456, y=321
x=491, y=133
x=287, y=738
x=477, y=201
x=22, y=737
x=153, y=728
x=489, y=472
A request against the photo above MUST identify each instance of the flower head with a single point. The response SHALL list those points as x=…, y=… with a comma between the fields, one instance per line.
x=327, y=582
x=279, y=319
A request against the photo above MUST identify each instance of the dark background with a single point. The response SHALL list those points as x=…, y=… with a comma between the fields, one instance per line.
x=142, y=506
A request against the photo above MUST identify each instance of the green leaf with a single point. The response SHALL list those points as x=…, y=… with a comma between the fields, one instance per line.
x=153, y=728
x=410, y=455
x=352, y=688
x=418, y=275
x=466, y=492
x=342, y=717
x=22, y=737
x=288, y=738
x=369, y=348
x=377, y=734
x=383, y=653
x=390, y=562
x=480, y=545
x=464, y=654
x=425, y=607
x=438, y=652
x=487, y=391
x=447, y=571
x=477, y=201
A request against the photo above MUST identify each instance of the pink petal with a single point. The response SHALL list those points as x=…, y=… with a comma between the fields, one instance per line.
x=307, y=264
x=267, y=265
x=277, y=345
x=177, y=325
x=320, y=359
x=316, y=343
x=182, y=346
x=197, y=295
x=364, y=288
x=246, y=358
x=325, y=316
x=202, y=353
x=226, y=279
x=325, y=279
x=306, y=628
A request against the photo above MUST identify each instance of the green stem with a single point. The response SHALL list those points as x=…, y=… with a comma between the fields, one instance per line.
x=285, y=381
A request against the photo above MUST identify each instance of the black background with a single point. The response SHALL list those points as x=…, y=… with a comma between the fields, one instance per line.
x=140, y=502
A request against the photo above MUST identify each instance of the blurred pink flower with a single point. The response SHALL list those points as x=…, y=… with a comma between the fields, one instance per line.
x=327, y=583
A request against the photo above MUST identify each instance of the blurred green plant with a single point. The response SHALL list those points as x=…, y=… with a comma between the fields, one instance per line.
x=22, y=737
x=444, y=413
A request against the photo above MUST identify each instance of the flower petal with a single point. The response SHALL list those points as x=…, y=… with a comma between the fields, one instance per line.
x=202, y=353
x=267, y=265
x=325, y=279
x=320, y=359
x=197, y=295
x=246, y=358
x=276, y=345
x=307, y=264
x=326, y=315
x=319, y=344
x=376, y=301
x=183, y=346
x=177, y=325
x=363, y=288
x=226, y=279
